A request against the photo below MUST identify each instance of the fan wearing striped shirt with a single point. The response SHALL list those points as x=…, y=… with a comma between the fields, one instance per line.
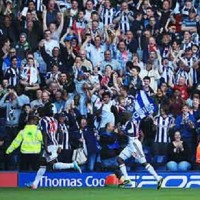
x=124, y=17
x=163, y=122
x=106, y=12
x=12, y=73
x=64, y=138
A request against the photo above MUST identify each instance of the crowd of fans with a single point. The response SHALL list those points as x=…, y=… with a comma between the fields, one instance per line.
x=89, y=58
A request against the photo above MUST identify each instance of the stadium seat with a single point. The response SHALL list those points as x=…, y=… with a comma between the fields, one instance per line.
x=147, y=152
x=159, y=162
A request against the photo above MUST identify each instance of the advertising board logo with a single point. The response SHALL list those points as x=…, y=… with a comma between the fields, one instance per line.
x=140, y=180
x=170, y=181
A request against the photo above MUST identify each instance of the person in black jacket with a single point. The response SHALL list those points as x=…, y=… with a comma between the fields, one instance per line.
x=26, y=110
x=178, y=154
x=56, y=58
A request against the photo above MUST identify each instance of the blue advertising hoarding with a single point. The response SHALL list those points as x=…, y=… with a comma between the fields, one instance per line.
x=140, y=180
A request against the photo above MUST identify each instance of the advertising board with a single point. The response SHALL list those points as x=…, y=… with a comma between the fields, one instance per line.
x=140, y=180
x=8, y=179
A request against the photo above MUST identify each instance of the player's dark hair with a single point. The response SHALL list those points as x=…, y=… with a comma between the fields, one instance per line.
x=46, y=110
x=106, y=93
x=147, y=78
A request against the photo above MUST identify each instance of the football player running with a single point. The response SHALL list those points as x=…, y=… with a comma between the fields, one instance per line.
x=130, y=128
x=49, y=128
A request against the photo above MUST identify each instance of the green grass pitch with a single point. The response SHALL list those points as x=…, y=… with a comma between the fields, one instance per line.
x=98, y=194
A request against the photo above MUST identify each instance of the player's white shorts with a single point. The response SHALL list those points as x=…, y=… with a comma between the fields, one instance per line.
x=53, y=149
x=134, y=148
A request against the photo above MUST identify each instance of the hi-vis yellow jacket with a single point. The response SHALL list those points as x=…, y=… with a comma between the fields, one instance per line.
x=30, y=139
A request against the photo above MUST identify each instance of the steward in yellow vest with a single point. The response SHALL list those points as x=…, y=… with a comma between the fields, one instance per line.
x=30, y=141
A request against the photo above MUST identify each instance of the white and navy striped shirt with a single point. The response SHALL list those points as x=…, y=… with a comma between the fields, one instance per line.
x=193, y=71
x=131, y=129
x=52, y=75
x=167, y=73
x=49, y=126
x=189, y=61
x=186, y=45
x=38, y=5
x=107, y=15
x=65, y=136
x=182, y=73
x=124, y=22
x=162, y=131
x=12, y=74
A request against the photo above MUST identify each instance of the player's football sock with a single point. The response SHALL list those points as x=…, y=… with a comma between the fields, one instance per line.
x=151, y=170
x=159, y=184
x=60, y=165
x=38, y=177
x=124, y=171
x=76, y=167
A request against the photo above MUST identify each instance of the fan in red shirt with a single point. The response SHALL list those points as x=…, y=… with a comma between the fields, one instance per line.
x=182, y=87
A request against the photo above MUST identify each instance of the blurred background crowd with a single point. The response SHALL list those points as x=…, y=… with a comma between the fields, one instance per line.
x=89, y=58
